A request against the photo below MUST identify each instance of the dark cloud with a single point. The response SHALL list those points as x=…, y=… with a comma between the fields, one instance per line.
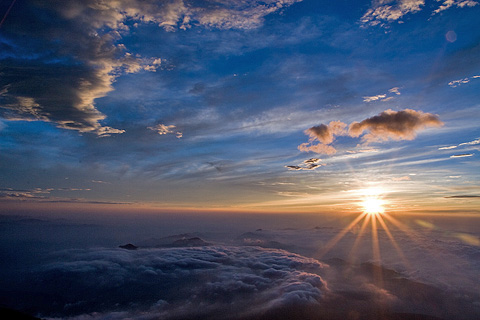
x=394, y=125
x=462, y=155
x=463, y=197
x=310, y=164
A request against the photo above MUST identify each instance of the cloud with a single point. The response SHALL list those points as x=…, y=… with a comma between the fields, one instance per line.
x=395, y=90
x=162, y=129
x=383, y=97
x=79, y=51
x=374, y=98
x=388, y=125
x=310, y=164
x=470, y=143
x=448, y=148
x=325, y=134
x=175, y=283
x=463, y=197
x=456, y=83
x=462, y=155
x=446, y=4
x=404, y=178
x=394, y=125
x=385, y=11
x=390, y=10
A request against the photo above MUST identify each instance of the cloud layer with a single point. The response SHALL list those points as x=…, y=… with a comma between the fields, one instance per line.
x=203, y=282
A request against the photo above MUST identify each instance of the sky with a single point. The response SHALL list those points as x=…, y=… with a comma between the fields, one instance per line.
x=268, y=159
x=223, y=104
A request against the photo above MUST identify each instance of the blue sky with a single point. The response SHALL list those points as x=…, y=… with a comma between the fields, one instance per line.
x=205, y=104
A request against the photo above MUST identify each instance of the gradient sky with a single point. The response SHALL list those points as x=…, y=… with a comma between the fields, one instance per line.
x=275, y=105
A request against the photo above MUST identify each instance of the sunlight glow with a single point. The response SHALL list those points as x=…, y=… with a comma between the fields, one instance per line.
x=372, y=201
x=373, y=205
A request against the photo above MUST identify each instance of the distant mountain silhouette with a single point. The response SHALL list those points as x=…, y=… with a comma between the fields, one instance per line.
x=178, y=240
x=129, y=246
x=191, y=242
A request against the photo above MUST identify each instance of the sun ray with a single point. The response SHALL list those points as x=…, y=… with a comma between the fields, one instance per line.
x=340, y=235
x=377, y=273
x=359, y=237
x=393, y=241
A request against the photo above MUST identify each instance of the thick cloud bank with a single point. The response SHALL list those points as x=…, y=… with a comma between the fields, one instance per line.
x=177, y=283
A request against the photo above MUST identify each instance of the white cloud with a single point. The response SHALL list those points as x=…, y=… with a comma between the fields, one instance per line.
x=162, y=129
x=390, y=10
x=374, y=98
x=456, y=83
x=384, y=96
x=446, y=4
x=474, y=142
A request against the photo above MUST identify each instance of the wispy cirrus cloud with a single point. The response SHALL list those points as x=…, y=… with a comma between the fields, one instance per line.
x=456, y=83
x=386, y=11
x=469, y=143
x=390, y=10
x=446, y=4
x=384, y=96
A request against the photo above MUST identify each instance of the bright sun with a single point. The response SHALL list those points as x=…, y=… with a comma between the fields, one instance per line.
x=373, y=205
x=372, y=201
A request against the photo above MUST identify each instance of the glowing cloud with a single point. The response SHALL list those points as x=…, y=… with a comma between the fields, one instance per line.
x=388, y=125
x=390, y=10
x=394, y=125
x=446, y=4
x=325, y=134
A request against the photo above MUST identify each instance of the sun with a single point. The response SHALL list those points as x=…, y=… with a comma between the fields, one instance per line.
x=373, y=205
x=372, y=200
